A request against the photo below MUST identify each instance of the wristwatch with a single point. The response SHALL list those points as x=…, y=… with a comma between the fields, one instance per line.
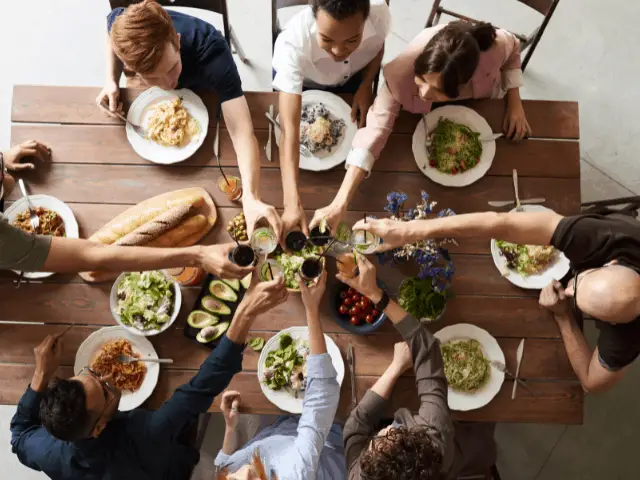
x=384, y=302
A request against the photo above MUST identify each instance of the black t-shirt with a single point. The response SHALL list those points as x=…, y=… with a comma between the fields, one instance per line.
x=207, y=63
x=590, y=241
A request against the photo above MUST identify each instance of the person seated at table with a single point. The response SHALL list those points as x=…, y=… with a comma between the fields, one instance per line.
x=172, y=50
x=11, y=161
x=71, y=428
x=294, y=447
x=460, y=60
x=422, y=445
x=604, y=281
x=331, y=45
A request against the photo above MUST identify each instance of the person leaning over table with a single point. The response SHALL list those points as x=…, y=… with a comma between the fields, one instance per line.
x=331, y=45
x=604, y=281
x=445, y=63
x=422, y=445
x=171, y=50
x=71, y=428
x=295, y=447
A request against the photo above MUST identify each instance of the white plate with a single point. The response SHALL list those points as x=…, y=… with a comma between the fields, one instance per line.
x=52, y=203
x=465, y=116
x=339, y=109
x=141, y=345
x=283, y=399
x=555, y=271
x=152, y=151
x=462, y=401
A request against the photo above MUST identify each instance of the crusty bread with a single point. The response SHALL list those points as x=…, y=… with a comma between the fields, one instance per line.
x=190, y=227
x=156, y=227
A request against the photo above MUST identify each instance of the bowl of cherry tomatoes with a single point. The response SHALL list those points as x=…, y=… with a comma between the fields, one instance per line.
x=354, y=312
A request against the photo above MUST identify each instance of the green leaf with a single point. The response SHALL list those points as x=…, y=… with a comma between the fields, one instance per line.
x=256, y=344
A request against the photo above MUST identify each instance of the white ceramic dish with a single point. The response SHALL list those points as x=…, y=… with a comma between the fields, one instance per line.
x=90, y=347
x=283, y=399
x=462, y=115
x=152, y=151
x=462, y=401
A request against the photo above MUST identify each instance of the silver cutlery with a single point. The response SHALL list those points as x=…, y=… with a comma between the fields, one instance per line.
x=267, y=147
x=491, y=138
x=515, y=188
x=136, y=128
x=426, y=130
x=526, y=201
x=216, y=141
x=519, y=354
x=503, y=368
x=351, y=362
x=129, y=359
x=303, y=150
x=33, y=216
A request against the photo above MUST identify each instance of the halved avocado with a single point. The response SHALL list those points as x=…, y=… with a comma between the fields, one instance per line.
x=221, y=290
x=235, y=284
x=215, y=306
x=200, y=319
x=210, y=334
x=246, y=281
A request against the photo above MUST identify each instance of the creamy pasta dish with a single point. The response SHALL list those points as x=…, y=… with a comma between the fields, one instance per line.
x=170, y=124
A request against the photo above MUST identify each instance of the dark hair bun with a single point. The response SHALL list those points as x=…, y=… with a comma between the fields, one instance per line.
x=484, y=33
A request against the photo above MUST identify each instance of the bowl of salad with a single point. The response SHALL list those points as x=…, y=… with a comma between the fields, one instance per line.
x=145, y=303
x=281, y=263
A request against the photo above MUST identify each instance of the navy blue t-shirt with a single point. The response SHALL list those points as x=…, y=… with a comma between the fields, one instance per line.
x=207, y=63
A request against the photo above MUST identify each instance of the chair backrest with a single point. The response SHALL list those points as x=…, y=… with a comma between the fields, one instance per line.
x=540, y=6
x=277, y=5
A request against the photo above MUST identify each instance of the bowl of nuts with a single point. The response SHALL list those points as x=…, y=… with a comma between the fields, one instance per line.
x=237, y=228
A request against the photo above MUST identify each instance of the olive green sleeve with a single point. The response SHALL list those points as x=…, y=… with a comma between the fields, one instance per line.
x=20, y=250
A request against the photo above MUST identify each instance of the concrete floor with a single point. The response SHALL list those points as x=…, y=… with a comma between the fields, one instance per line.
x=587, y=55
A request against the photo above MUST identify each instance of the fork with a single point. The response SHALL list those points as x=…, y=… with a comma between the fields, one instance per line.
x=503, y=368
x=303, y=150
x=33, y=216
x=136, y=128
x=515, y=188
x=129, y=359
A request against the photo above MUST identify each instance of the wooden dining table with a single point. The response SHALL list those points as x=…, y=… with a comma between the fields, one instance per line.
x=96, y=172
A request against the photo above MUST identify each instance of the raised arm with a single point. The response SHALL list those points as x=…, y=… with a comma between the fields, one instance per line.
x=515, y=123
x=110, y=93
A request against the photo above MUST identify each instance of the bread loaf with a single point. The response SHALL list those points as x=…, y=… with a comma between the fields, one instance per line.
x=189, y=228
x=156, y=227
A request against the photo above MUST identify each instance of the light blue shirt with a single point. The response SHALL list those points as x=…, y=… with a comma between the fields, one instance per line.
x=301, y=447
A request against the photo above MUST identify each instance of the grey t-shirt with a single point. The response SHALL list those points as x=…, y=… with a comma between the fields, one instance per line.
x=20, y=250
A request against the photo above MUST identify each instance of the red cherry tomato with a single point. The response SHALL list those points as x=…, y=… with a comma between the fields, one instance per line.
x=347, y=302
x=355, y=321
x=454, y=171
x=375, y=313
x=365, y=301
x=354, y=311
x=368, y=319
x=350, y=291
x=343, y=310
x=432, y=164
x=355, y=298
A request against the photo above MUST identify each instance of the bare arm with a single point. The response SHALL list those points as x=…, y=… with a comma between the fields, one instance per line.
x=114, y=64
x=290, y=105
x=110, y=93
x=384, y=385
x=370, y=72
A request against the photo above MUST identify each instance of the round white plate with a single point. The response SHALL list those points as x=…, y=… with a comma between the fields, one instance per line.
x=556, y=271
x=283, y=399
x=465, y=116
x=340, y=109
x=470, y=401
x=141, y=345
x=152, y=151
x=52, y=203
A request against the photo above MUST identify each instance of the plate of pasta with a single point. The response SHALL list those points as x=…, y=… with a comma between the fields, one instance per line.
x=56, y=220
x=451, y=152
x=467, y=353
x=175, y=125
x=135, y=380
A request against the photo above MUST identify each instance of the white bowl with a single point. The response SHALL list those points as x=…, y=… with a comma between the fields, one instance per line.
x=177, y=303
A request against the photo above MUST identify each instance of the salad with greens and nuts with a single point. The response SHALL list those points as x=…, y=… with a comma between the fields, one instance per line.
x=145, y=300
x=291, y=263
x=286, y=367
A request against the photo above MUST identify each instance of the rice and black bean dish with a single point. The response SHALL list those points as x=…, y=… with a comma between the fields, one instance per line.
x=319, y=129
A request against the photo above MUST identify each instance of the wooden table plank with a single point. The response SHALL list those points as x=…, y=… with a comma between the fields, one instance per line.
x=88, y=144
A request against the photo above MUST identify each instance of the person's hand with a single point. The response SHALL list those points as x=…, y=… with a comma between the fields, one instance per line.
x=312, y=296
x=333, y=214
x=229, y=405
x=402, y=359
x=365, y=283
x=515, y=125
x=30, y=148
x=215, y=259
x=110, y=96
x=362, y=101
x=393, y=234
x=255, y=210
x=292, y=219
x=47, y=357
x=553, y=298
x=263, y=296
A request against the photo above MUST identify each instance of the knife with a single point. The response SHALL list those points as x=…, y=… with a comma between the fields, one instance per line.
x=350, y=362
x=505, y=203
x=267, y=147
x=519, y=354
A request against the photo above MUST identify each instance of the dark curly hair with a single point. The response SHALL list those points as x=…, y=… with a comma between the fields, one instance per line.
x=402, y=454
x=454, y=53
x=341, y=9
x=63, y=410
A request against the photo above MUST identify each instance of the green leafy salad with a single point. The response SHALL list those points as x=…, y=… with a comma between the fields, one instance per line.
x=145, y=300
x=465, y=366
x=286, y=368
x=418, y=297
x=291, y=263
x=527, y=259
x=454, y=148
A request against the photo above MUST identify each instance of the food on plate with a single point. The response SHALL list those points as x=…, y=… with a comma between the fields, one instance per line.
x=215, y=306
x=356, y=308
x=465, y=365
x=222, y=291
x=453, y=147
x=235, y=284
x=418, y=297
x=527, y=259
x=256, y=344
x=126, y=376
x=145, y=300
x=170, y=124
x=286, y=367
x=151, y=230
x=214, y=332
x=237, y=227
x=182, y=234
x=291, y=263
x=319, y=129
x=51, y=222
x=246, y=281
x=201, y=319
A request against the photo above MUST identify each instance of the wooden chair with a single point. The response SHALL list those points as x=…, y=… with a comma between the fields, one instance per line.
x=626, y=205
x=530, y=42
x=215, y=6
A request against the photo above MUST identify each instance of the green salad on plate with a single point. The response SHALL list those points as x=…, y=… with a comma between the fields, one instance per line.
x=145, y=300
